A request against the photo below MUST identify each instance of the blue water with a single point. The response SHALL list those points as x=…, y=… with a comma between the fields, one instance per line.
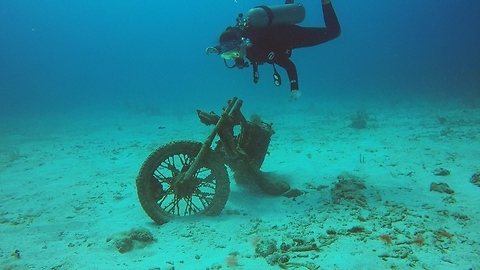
x=64, y=55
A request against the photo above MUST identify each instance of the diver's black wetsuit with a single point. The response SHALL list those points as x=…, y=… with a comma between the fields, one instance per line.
x=274, y=44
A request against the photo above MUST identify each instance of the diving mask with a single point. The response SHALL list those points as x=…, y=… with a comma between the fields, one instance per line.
x=234, y=49
x=231, y=55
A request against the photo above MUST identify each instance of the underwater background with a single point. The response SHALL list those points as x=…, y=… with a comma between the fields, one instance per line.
x=58, y=56
x=383, y=144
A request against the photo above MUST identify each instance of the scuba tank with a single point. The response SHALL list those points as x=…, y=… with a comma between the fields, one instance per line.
x=265, y=16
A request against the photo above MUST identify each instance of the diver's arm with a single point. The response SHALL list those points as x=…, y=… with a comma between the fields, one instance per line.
x=289, y=66
x=325, y=2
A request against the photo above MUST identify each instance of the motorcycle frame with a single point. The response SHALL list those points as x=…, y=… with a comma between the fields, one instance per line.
x=230, y=117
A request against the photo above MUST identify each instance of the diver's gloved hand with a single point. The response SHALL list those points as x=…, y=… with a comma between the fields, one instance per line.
x=210, y=50
x=295, y=94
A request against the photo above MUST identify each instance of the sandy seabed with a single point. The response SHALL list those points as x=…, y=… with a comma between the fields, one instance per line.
x=68, y=188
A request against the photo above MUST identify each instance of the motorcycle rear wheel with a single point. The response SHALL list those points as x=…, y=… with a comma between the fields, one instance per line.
x=162, y=198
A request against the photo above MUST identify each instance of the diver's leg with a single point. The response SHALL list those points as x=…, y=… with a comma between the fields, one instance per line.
x=310, y=36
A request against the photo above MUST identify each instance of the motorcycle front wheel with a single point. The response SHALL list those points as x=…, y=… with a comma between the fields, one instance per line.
x=163, y=198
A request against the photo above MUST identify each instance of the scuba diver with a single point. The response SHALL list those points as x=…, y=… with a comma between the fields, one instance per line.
x=268, y=35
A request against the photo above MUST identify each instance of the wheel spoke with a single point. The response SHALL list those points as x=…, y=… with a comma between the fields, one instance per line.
x=170, y=166
x=159, y=174
x=173, y=206
x=204, y=198
x=190, y=207
x=165, y=194
x=209, y=185
x=185, y=159
x=201, y=171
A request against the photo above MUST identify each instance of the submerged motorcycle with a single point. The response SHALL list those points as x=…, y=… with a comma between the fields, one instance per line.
x=185, y=178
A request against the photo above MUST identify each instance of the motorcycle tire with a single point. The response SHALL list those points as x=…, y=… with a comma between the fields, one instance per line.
x=163, y=199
